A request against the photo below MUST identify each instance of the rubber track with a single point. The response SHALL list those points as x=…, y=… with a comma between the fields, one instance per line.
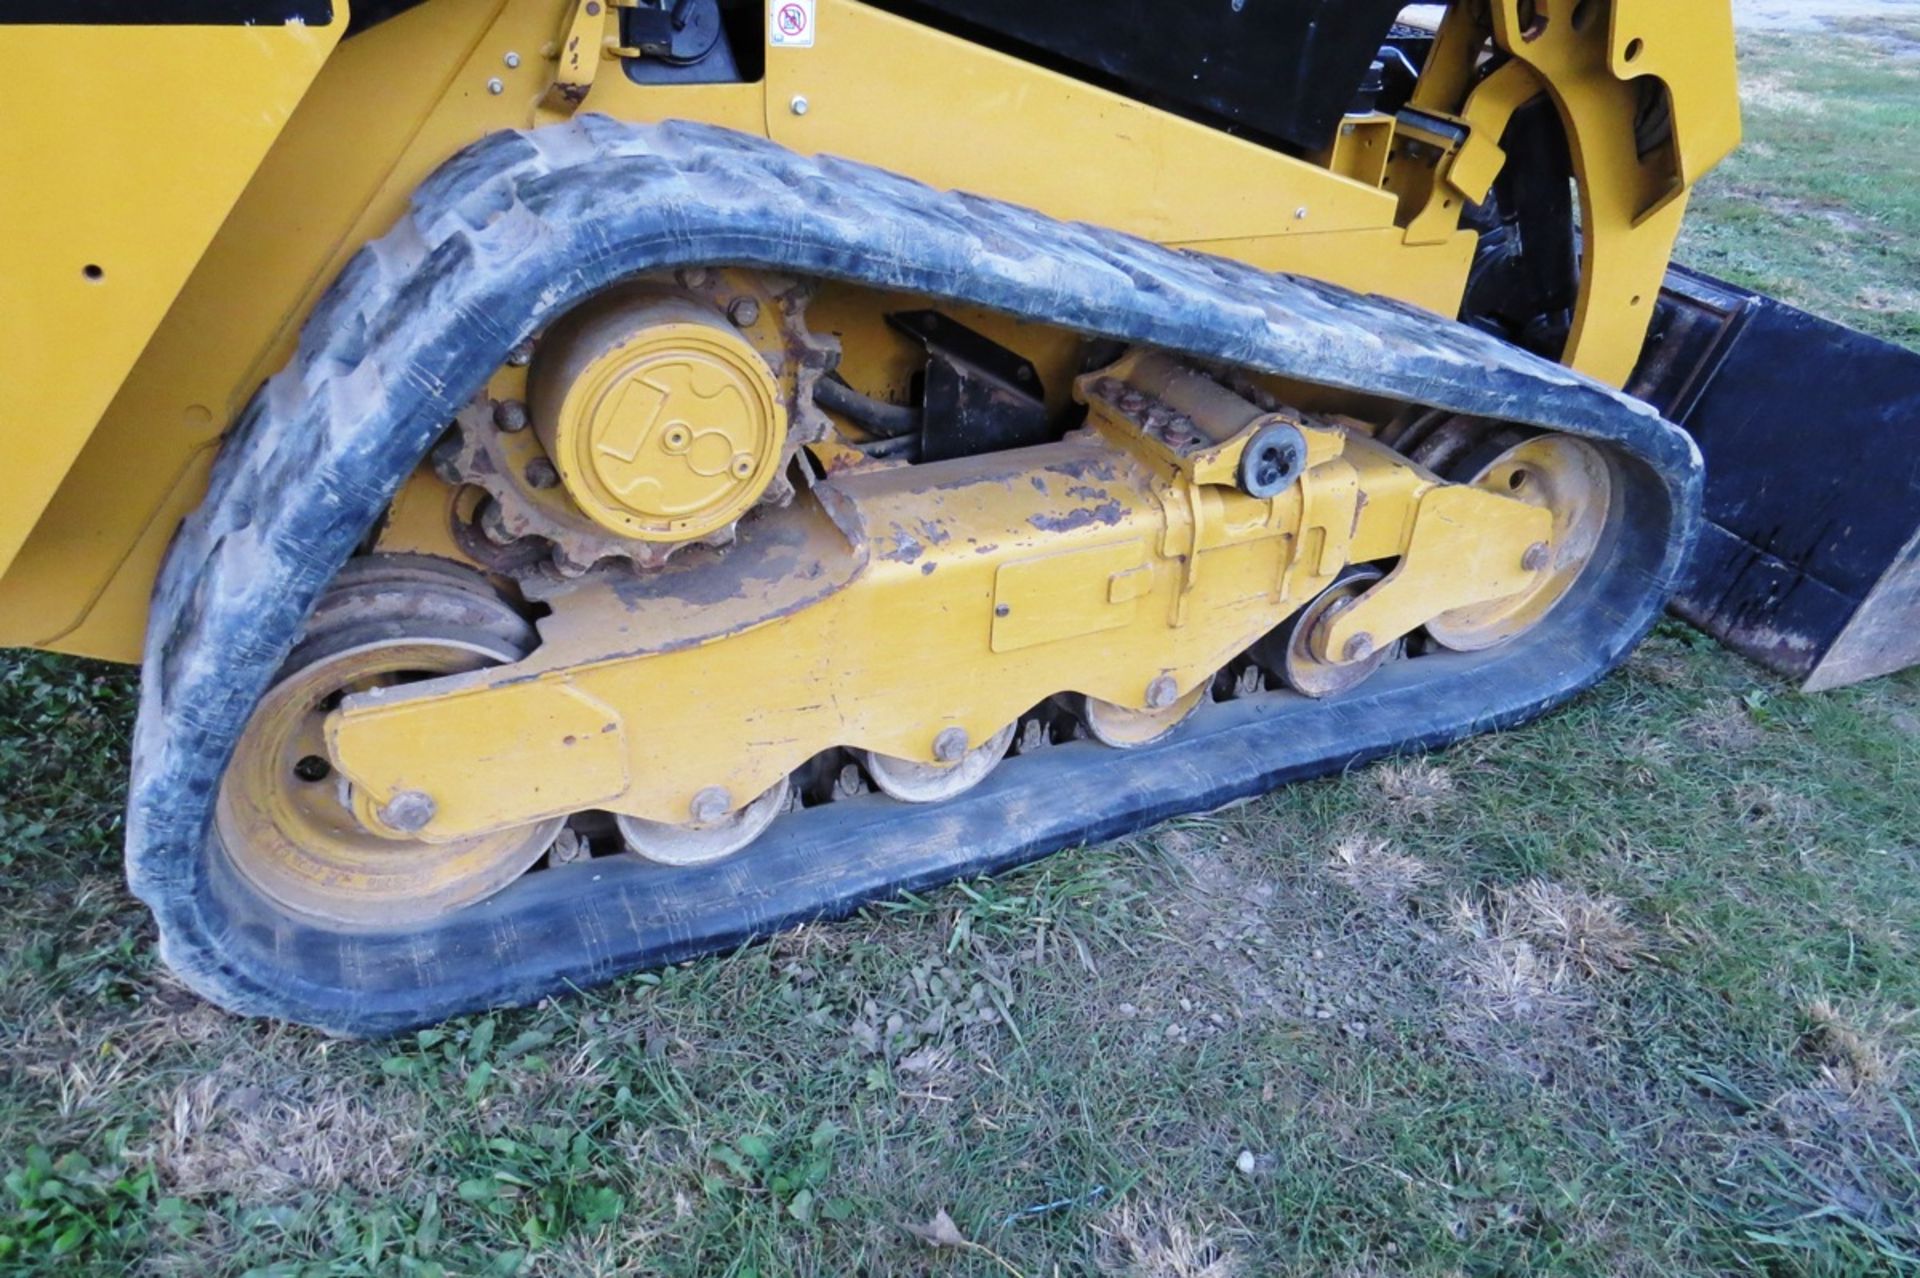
x=514, y=230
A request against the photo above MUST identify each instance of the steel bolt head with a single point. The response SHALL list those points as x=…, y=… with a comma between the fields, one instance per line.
x=510, y=415
x=521, y=355
x=1358, y=648
x=799, y=104
x=496, y=85
x=1536, y=557
x=408, y=811
x=1162, y=692
x=541, y=474
x=711, y=804
x=951, y=745
x=743, y=312
x=512, y=60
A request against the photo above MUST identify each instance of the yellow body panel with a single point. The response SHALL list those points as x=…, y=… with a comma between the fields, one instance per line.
x=393, y=103
x=123, y=148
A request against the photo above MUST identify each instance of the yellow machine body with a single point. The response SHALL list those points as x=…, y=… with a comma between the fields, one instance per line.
x=117, y=388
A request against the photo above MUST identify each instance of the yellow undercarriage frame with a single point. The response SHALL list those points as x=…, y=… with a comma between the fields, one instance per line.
x=914, y=612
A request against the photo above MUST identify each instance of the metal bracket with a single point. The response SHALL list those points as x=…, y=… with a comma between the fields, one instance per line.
x=978, y=396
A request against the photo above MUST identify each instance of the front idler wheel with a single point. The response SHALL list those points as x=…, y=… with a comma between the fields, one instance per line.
x=1567, y=477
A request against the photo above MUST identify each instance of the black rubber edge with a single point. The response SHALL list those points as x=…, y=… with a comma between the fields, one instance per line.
x=519, y=227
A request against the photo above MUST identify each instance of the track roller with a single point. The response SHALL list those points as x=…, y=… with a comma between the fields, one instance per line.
x=697, y=844
x=1125, y=728
x=1292, y=653
x=913, y=782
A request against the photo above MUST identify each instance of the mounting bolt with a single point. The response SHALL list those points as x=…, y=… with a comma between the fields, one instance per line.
x=1003, y=610
x=799, y=104
x=521, y=355
x=510, y=415
x=541, y=474
x=1162, y=692
x=711, y=804
x=496, y=85
x=743, y=312
x=951, y=745
x=1358, y=648
x=1536, y=557
x=408, y=811
x=1300, y=214
x=512, y=60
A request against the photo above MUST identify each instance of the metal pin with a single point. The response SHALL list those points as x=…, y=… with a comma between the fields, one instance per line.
x=799, y=104
x=496, y=85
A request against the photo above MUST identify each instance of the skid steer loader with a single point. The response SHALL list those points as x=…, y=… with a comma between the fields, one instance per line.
x=593, y=482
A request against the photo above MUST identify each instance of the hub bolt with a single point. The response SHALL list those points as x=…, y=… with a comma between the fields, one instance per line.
x=1358, y=648
x=711, y=804
x=510, y=415
x=951, y=745
x=541, y=474
x=1536, y=557
x=743, y=312
x=521, y=355
x=1162, y=692
x=408, y=811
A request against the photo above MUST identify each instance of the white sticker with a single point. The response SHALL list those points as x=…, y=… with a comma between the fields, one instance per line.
x=790, y=24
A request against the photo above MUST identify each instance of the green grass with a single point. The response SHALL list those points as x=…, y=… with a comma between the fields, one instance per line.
x=1624, y=992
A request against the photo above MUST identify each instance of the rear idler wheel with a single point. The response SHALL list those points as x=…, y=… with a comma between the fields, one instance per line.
x=1292, y=653
x=911, y=781
x=699, y=843
x=1125, y=728
x=286, y=819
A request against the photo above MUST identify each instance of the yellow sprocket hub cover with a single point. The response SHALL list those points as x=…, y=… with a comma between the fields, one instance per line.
x=664, y=423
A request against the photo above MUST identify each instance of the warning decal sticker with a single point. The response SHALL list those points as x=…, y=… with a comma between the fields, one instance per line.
x=790, y=24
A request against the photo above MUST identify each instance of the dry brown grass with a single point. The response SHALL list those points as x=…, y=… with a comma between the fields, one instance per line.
x=264, y=1140
x=1413, y=789
x=1156, y=1241
x=1376, y=870
x=1859, y=1051
x=1529, y=946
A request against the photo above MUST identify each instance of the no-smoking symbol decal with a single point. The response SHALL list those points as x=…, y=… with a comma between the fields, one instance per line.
x=790, y=24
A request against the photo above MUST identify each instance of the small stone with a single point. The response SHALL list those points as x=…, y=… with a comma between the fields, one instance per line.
x=1173, y=1029
x=1128, y=1009
x=1246, y=1162
x=1319, y=954
x=1186, y=1005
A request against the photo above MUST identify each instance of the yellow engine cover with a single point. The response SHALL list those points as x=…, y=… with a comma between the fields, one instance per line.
x=665, y=424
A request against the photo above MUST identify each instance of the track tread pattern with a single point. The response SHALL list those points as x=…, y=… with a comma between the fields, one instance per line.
x=504, y=238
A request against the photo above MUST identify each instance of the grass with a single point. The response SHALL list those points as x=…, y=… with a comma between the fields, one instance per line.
x=1627, y=991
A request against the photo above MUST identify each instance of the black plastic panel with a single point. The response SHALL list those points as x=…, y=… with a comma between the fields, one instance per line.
x=167, y=13
x=1284, y=70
